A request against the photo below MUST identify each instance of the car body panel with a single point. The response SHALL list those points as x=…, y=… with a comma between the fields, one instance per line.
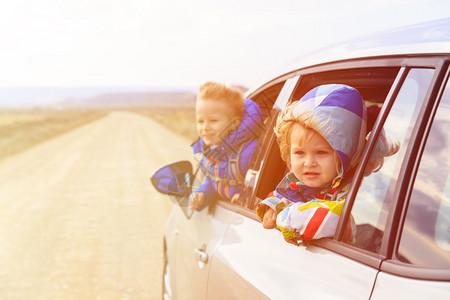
x=224, y=283
x=390, y=286
x=280, y=270
x=199, y=234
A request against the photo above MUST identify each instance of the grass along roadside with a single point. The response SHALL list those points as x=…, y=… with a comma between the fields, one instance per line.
x=22, y=129
x=180, y=120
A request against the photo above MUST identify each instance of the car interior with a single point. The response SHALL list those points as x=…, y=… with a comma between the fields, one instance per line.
x=373, y=84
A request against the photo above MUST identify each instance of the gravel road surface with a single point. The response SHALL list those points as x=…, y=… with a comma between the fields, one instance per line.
x=78, y=216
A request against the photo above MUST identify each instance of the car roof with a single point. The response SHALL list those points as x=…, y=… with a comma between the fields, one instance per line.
x=431, y=37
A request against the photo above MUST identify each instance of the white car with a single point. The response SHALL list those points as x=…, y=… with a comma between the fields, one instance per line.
x=402, y=245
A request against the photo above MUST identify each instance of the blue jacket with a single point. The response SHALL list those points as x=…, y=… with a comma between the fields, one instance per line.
x=215, y=164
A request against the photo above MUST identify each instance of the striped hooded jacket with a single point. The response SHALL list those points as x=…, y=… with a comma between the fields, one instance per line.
x=308, y=213
x=225, y=166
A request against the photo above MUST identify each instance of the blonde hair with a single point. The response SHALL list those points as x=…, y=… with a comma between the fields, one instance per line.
x=219, y=92
x=308, y=121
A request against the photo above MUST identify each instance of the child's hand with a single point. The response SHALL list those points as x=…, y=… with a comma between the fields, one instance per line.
x=269, y=219
x=293, y=241
x=196, y=200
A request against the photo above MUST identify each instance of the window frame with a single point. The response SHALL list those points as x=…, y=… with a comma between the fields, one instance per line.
x=268, y=138
x=383, y=261
x=404, y=186
x=392, y=264
x=247, y=209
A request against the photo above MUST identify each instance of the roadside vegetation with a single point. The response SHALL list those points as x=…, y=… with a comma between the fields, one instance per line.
x=179, y=119
x=22, y=129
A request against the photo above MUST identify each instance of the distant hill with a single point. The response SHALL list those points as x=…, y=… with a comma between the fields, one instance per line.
x=132, y=100
x=97, y=97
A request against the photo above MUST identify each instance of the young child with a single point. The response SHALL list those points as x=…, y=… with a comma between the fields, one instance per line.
x=321, y=137
x=228, y=126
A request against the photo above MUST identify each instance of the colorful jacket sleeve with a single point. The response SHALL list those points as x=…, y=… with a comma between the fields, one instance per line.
x=312, y=220
x=250, y=127
x=273, y=201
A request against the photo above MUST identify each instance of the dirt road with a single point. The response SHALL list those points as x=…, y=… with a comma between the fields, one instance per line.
x=78, y=216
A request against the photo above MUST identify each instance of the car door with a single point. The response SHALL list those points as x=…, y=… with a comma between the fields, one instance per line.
x=419, y=266
x=329, y=268
x=397, y=242
x=256, y=263
x=198, y=235
x=197, y=239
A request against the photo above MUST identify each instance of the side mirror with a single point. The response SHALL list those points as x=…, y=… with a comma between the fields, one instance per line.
x=176, y=180
x=173, y=179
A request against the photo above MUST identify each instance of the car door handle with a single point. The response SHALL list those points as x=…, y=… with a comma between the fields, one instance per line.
x=202, y=256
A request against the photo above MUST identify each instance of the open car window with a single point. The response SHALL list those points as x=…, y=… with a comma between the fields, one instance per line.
x=373, y=83
x=265, y=97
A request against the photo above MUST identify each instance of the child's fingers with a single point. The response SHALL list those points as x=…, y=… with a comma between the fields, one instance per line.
x=293, y=241
x=267, y=225
x=196, y=200
x=193, y=200
x=269, y=219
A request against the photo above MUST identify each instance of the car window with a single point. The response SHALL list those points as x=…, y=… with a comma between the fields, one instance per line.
x=425, y=239
x=266, y=144
x=265, y=98
x=372, y=82
x=371, y=206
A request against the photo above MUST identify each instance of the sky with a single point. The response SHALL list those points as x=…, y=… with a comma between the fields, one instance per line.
x=181, y=44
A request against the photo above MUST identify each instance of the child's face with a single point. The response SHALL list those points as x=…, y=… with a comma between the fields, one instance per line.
x=213, y=119
x=314, y=163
